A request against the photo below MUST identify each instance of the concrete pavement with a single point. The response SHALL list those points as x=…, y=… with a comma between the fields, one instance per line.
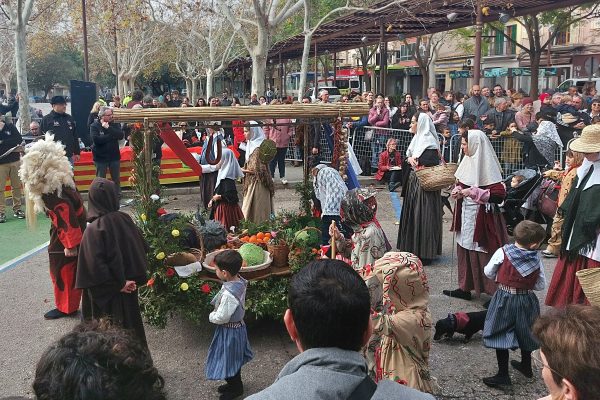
x=180, y=349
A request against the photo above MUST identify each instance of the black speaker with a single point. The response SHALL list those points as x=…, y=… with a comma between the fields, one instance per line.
x=83, y=97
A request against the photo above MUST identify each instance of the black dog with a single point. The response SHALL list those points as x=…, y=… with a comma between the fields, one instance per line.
x=466, y=323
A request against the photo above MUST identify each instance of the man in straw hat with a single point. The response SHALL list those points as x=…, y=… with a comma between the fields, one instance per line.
x=49, y=187
x=580, y=237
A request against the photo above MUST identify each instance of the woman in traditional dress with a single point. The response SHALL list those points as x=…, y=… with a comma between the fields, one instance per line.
x=539, y=149
x=47, y=177
x=420, y=229
x=112, y=261
x=257, y=205
x=329, y=189
x=211, y=150
x=402, y=328
x=224, y=204
x=368, y=242
x=580, y=248
x=565, y=179
x=478, y=223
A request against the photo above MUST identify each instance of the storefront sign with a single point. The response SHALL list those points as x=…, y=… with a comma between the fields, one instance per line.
x=498, y=72
x=461, y=74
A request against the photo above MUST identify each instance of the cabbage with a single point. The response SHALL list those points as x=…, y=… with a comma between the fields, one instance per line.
x=252, y=254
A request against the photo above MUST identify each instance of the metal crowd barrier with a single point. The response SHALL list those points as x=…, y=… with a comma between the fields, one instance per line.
x=507, y=149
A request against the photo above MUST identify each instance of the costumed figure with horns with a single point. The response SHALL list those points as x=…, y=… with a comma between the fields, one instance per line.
x=49, y=187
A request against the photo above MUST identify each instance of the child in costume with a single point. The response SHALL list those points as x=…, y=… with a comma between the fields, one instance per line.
x=518, y=270
x=224, y=203
x=229, y=349
x=398, y=349
x=49, y=187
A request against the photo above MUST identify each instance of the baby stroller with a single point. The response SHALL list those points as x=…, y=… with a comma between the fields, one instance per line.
x=515, y=197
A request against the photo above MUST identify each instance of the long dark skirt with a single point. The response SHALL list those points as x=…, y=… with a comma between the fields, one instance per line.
x=207, y=187
x=420, y=230
x=470, y=271
x=123, y=309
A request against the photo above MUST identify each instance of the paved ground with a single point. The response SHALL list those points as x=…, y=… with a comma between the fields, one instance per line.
x=180, y=349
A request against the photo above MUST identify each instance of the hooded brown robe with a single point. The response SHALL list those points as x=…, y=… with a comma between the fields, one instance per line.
x=112, y=252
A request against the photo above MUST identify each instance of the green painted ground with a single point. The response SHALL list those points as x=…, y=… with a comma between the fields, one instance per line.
x=16, y=239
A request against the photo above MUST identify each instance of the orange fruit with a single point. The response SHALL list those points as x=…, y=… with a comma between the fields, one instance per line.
x=260, y=235
x=244, y=239
x=253, y=239
x=266, y=240
x=268, y=234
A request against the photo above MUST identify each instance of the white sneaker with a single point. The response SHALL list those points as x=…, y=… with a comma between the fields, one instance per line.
x=284, y=181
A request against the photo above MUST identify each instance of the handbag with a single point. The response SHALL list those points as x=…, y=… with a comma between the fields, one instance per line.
x=548, y=199
x=437, y=177
x=369, y=135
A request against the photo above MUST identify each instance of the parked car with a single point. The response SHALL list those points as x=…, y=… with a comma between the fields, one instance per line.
x=579, y=82
x=334, y=93
x=36, y=99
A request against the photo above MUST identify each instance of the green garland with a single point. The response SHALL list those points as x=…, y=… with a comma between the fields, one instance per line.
x=165, y=293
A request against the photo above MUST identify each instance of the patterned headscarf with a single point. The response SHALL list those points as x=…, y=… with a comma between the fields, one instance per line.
x=330, y=189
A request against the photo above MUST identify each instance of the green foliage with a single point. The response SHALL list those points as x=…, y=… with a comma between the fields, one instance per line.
x=267, y=298
x=56, y=65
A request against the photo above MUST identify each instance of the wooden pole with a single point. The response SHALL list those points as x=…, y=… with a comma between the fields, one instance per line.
x=333, y=240
x=478, y=32
x=148, y=152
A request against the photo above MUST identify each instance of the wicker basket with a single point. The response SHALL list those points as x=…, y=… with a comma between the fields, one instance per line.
x=437, y=177
x=590, y=283
x=280, y=254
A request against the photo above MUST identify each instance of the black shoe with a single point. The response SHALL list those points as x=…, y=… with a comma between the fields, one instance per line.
x=497, y=381
x=458, y=293
x=224, y=388
x=54, y=314
x=517, y=365
x=19, y=214
x=232, y=393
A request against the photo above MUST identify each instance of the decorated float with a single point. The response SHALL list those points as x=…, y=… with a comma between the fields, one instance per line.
x=182, y=246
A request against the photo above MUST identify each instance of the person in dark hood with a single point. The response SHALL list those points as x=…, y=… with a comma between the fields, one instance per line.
x=112, y=261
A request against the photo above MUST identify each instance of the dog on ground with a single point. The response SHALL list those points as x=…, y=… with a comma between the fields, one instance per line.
x=466, y=323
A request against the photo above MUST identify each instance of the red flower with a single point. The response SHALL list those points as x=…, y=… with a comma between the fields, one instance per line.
x=150, y=282
x=205, y=288
x=170, y=272
x=161, y=211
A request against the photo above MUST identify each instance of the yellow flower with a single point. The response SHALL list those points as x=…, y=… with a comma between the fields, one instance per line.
x=175, y=232
x=143, y=217
x=184, y=286
x=160, y=256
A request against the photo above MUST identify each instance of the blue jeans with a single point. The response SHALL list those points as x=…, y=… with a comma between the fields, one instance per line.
x=115, y=172
x=278, y=161
x=377, y=147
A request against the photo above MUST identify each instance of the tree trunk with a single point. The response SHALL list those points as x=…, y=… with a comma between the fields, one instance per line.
x=425, y=85
x=6, y=79
x=192, y=94
x=535, y=75
x=431, y=75
x=209, y=83
x=304, y=67
x=21, y=67
x=259, y=62
x=188, y=87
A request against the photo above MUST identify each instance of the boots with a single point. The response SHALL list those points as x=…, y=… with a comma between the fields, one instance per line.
x=233, y=389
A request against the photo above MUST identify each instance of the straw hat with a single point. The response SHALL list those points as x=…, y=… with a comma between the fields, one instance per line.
x=589, y=141
x=590, y=283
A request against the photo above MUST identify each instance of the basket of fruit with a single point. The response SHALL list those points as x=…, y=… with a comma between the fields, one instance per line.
x=255, y=258
x=260, y=239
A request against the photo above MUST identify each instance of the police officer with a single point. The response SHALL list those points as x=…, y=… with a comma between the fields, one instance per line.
x=62, y=126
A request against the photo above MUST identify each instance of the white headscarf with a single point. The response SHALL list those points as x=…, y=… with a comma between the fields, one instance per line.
x=257, y=136
x=230, y=168
x=481, y=167
x=425, y=138
x=330, y=189
x=548, y=129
